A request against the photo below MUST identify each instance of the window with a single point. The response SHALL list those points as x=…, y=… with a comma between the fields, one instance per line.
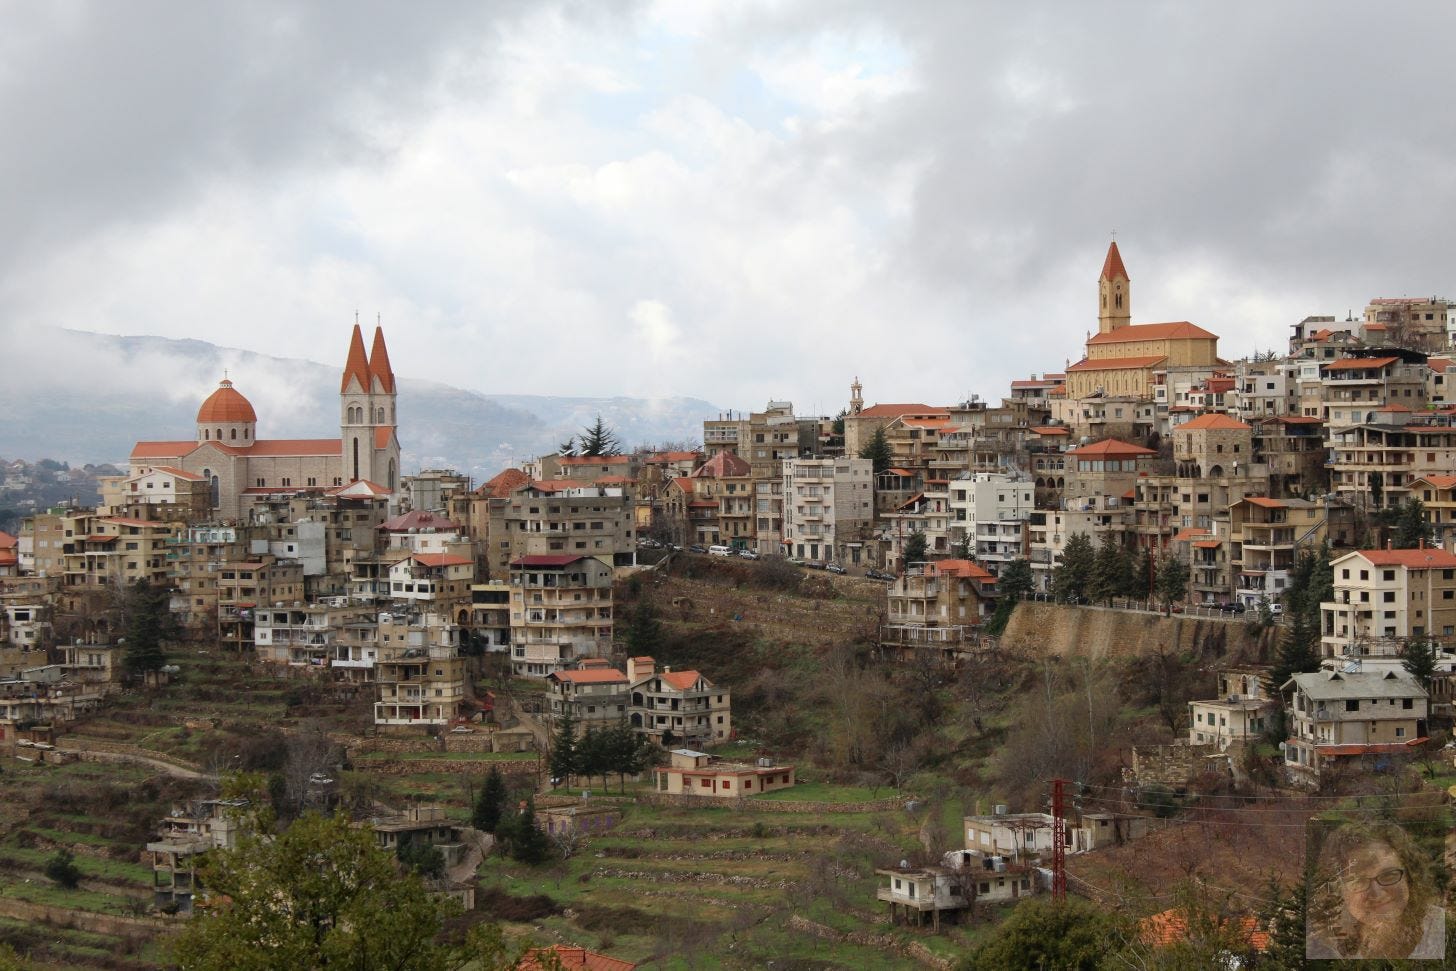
x=1407, y=703
x=1352, y=705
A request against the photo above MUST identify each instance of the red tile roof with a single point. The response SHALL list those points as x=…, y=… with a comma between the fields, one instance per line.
x=1418, y=559
x=1215, y=420
x=1173, y=330
x=382, y=435
x=571, y=959
x=595, y=460
x=1111, y=448
x=959, y=568
x=1189, y=534
x=1118, y=363
x=8, y=542
x=663, y=458
x=1357, y=363
x=503, y=484
x=1112, y=267
x=900, y=410
x=724, y=465
x=1265, y=502
x=226, y=404
x=441, y=559
x=1171, y=927
x=179, y=473
x=681, y=680
x=170, y=450
x=1208, y=544
x=359, y=488
x=1051, y=430
x=1439, y=481
x=379, y=362
x=296, y=446
x=357, y=366
x=1438, y=364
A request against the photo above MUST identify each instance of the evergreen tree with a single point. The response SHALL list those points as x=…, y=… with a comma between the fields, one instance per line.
x=1376, y=481
x=644, y=634
x=1172, y=580
x=964, y=548
x=1299, y=652
x=1072, y=576
x=915, y=547
x=1409, y=526
x=593, y=754
x=1144, y=572
x=1110, y=570
x=598, y=440
x=567, y=447
x=492, y=803
x=1015, y=580
x=149, y=622
x=1283, y=916
x=529, y=844
x=565, y=760
x=1419, y=659
x=877, y=450
x=61, y=867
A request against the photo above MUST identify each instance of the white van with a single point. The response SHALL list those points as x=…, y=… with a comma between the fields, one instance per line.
x=720, y=551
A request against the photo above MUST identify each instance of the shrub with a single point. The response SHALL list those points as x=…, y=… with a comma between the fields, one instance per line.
x=61, y=868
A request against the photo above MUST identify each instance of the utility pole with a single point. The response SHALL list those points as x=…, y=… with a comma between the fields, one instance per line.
x=1059, y=841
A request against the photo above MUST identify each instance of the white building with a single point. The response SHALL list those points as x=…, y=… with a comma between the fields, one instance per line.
x=992, y=509
x=828, y=508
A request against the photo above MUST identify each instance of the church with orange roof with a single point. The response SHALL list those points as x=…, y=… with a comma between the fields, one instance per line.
x=239, y=466
x=1122, y=357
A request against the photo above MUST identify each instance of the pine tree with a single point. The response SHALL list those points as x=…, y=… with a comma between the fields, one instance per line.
x=1110, y=568
x=593, y=754
x=915, y=547
x=567, y=447
x=1299, y=653
x=1410, y=526
x=1015, y=580
x=1172, y=579
x=644, y=634
x=1419, y=659
x=1283, y=917
x=1072, y=576
x=564, y=761
x=598, y=440
x=878, y=451
x=1144, y=571
x=149, y=622
x=529, y=844
x=491, y=805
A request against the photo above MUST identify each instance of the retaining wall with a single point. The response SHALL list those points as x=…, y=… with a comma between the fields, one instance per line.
x=1043, y=629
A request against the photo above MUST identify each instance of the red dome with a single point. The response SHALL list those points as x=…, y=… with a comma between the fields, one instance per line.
x=225, y=405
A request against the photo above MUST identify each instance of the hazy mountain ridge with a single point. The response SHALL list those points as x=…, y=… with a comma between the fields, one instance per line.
x=89, y=397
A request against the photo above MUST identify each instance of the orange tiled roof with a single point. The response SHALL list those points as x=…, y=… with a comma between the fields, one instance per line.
x=1118, y=363
x=1215, y=420
x=170, y=450
x=1051, y=430
x=357, y=365
x=358, y=489
x=724, y=465
x=1208, y=544
x=1265, y=502
x=659, y=458
x=226, y=404
x=1112, y=267
x=8, y=542
x=382, y=435
x=1171, y=927
x=572, y=959
x=1439, y=481
x=178, y=473
x=1354, y=363
x=681, y=680
x=379, y=362
x=1173, y=330
x=1189, y=534
x=967, y=569
x=441, y=559
x=1438, y=364
x=595, y=460
x=296, y=446
x=1418, y=559
x=503, y=484
x=1111, y=448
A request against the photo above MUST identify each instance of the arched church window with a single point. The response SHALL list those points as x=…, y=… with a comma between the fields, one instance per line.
x=245, y=434
x=391, y=475
x=1119, y=301
x=219, y=434
x=233, y=434
x=206, y=435
x=356, y=459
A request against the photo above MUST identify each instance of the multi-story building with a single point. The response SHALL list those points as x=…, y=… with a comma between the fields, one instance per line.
x=768, y=511
x=245, y=585
x=1437, y=494
x=926, y=513
x=186, y=495
x=433, y=489
x=828, y=508
x=1375, y=463
x=937, y=607
x=1384, y=598
x=562, y=516
x=1354, y=388
x=420, y=674
x=673, y=707
x=1267, y=535
x=186, y=834
x=1337, y=716
x=1240, y=714
x=726, y=481
x=490, y=615
x=1292, y=448
x=593, y=692
x=311, y=636
x=1415, y=322
x=1265, y=389
x=561, y=611
x=989, y=512
x=435, y=581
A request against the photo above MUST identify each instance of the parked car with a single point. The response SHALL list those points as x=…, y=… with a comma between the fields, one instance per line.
x=797, y=561
x=1233, y=607
x=695, y=548
x=835, y=568
x=748, y=554
x=1276, y=608
x=720, y=551
x=816, y=564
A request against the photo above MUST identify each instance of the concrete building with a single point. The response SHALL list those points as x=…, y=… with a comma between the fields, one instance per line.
x=561, y=611
x=419, y=675
x=1240, y=714
x=828, y=508
x=1383, y=598
x=677, y=706
x=1337, y=716
x=561, y=517
x=593, y=693
x=690, y=773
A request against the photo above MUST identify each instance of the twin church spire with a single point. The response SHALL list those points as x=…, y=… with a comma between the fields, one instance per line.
x=368, y=369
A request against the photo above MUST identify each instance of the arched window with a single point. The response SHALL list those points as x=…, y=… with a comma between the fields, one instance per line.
x=245, y=434
x=206, y=435
x=391, y=475
x=380, y=420
x=233, y=434
x=219, y=434
x=1119, y=301
x=356, y=459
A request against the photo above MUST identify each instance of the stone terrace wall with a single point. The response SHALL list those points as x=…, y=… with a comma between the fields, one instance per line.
x=772, y=805
x=1065, y=631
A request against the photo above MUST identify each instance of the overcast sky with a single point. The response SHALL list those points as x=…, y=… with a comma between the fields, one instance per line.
x=736, y=201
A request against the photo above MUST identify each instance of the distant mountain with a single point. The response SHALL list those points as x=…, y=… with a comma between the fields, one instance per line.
x=84, y=397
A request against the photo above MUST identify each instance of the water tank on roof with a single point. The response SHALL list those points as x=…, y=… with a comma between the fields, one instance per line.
x=1000, y=809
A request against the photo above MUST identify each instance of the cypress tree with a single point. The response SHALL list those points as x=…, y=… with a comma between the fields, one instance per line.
x=491, y=804
x=564, y=762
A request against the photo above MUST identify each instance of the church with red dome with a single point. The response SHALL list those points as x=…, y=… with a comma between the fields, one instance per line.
x=238, y=466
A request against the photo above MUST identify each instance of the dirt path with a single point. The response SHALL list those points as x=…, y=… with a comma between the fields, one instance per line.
x=83, y=750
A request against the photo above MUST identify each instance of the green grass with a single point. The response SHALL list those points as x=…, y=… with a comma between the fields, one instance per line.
x=826, y=792
x=446, y=756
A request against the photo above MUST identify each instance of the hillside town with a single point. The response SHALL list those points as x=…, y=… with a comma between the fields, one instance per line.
x=1291, y=513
